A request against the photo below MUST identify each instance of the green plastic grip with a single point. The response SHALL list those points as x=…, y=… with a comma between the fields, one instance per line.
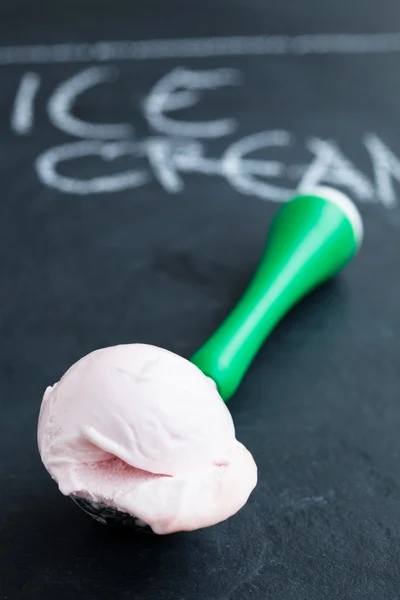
x=311, y=238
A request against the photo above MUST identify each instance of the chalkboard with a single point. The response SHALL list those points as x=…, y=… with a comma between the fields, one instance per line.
x=145, y=147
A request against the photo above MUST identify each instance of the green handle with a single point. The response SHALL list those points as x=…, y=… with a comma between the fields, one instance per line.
x=311, y=238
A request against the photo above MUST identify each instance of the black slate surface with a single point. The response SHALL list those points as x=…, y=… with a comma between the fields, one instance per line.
x=320, y=408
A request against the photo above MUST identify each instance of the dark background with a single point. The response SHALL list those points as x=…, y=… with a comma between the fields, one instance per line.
x=320, y=408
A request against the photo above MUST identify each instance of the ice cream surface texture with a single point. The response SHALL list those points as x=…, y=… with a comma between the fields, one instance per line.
x=143, y=430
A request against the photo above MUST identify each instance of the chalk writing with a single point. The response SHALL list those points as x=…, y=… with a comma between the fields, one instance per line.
x=331, y=166
x=66, y=95
x=252, y=45
x=166, y=97
x=46, y=167
x=386, y=167
x=177, y=147
x=22, y=112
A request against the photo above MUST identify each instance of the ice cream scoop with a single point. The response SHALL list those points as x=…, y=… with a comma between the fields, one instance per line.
x=144, y=431
x=139, y=435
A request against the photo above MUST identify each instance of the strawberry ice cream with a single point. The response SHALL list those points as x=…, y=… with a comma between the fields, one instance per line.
x=144, y=431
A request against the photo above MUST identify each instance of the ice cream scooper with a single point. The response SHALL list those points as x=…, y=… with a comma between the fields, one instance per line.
x=137, y=435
